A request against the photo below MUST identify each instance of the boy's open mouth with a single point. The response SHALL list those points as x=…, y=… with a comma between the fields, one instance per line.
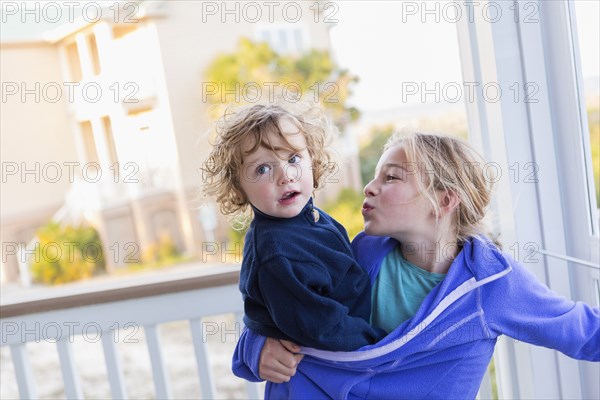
x=289, y=195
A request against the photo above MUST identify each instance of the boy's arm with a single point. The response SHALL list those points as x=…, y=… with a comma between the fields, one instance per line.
x=257, y=358
x=296, y=295
x=523, y=308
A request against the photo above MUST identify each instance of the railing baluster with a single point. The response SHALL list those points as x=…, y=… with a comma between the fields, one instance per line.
x=207, y=385
x=485, y=389
x=114, y=369
x=23, y=372
x=150, y=305
x=159, y=371
x=252, y=388
x=67, y=366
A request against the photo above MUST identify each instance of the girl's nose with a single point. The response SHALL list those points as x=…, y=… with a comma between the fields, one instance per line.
x=370, y=189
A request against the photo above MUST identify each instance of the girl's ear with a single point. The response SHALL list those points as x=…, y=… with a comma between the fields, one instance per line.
x=449, y=201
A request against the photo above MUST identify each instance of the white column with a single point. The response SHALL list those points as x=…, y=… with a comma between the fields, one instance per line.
x=533, y=131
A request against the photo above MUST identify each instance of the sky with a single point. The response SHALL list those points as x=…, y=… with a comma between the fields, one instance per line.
x=386, y=44
x=372, y=41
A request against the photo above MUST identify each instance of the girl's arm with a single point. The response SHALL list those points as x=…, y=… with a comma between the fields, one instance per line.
x=258, y=358
x=247, y=355
x=523, y=308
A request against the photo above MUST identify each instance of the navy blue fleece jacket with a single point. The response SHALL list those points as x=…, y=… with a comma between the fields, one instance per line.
x=300, y=282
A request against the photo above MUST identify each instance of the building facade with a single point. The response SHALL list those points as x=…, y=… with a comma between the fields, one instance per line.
x=105, y=119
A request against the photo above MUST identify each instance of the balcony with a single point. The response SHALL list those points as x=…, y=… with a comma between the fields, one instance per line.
x=120, y=315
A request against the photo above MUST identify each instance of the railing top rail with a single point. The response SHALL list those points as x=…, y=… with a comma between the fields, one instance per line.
x=85, y=293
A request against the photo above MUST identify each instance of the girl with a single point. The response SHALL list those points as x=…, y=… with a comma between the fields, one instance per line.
x=443, y=290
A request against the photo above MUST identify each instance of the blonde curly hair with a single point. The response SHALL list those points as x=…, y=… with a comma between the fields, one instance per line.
x=253, y=124
x=449, y=163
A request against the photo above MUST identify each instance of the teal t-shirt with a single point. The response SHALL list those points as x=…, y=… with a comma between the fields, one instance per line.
x=399, y=290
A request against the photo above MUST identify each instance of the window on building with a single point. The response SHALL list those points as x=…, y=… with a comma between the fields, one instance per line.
x=110, y=141
x=283, y=38
x=93, y=49
x=74, y=61
x=87, y=134
x=121, y=30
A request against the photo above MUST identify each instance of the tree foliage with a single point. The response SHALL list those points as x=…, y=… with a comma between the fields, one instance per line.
x=370, y=152
x=256, y=68
x=66, y=254
x=235, y=77
x=346, y=210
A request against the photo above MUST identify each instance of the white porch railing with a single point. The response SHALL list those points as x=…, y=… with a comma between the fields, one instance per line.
x=190, y=297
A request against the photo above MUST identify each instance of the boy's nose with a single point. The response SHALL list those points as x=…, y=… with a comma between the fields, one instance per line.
x=283, y=179
x=288, y=174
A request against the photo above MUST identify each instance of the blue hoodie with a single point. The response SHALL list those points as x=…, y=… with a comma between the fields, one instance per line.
x=444, y=350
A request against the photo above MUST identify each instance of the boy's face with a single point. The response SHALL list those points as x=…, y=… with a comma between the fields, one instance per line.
x=279, y=187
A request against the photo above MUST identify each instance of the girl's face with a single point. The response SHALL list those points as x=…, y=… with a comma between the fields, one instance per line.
x=279, y=184
x=394, y=205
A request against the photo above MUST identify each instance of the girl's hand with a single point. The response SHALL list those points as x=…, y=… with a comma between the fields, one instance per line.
x=278, y=360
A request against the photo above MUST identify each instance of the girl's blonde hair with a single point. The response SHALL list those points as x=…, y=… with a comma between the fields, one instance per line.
x=251, y=127
x=450, y=164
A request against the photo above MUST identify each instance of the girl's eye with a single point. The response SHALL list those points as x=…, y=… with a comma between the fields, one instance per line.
x=390, y=178
x=263, y=169
x=295, y=159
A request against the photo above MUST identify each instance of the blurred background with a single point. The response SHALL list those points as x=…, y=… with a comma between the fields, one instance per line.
x=106, y=112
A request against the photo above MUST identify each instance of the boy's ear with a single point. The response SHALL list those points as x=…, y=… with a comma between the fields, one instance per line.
x=449, y=201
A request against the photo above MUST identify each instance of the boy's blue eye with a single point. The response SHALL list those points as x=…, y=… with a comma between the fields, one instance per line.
x=295, y=159
x=263, y=169
x=390, y=178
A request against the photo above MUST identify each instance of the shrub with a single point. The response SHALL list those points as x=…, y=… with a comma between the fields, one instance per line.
x=346, y=210
x=66, y=254
x=163, y=252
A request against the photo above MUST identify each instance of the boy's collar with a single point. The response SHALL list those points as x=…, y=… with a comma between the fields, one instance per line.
x=309, y=211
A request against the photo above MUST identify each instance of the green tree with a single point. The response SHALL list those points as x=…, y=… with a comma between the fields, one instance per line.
x=256, y=66
x=346, y=210
x=370, y=152
x=313, y=74
x=66, y=254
